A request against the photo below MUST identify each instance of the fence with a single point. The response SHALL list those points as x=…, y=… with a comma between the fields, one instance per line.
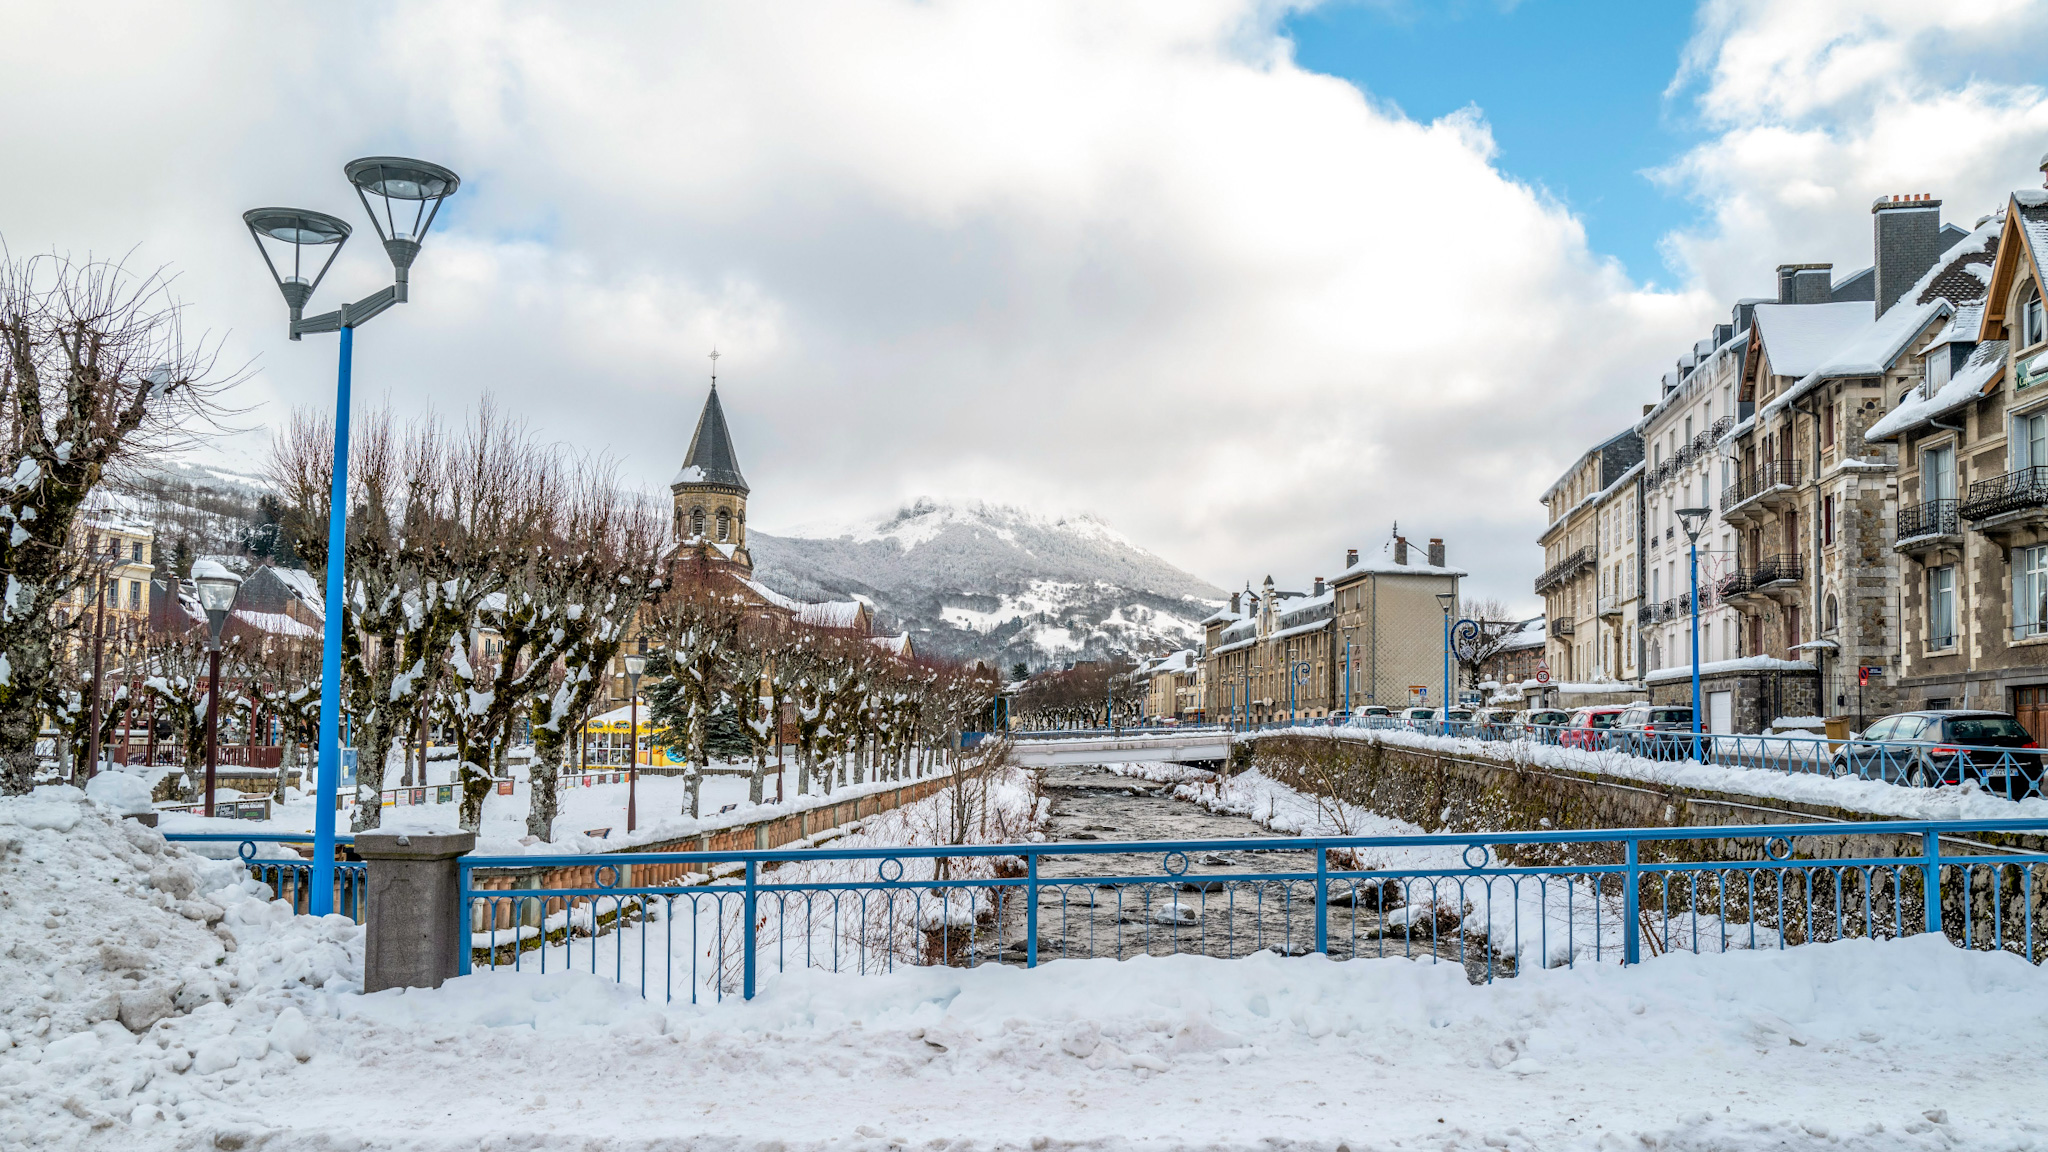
x=291, y=879
x=1497, y=903
x=2014, y=772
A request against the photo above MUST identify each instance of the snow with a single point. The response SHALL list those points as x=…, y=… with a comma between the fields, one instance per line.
x=1869, y=352
x=690, y=475
x=1984, y=364
x=1716, y=667
x=211, y=569
x=275, y=623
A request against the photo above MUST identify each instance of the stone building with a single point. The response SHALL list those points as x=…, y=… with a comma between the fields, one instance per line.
x=1374, y=635
x=1591, y=540
x=1813, y=500
x=1972, y=526
x=126, y=549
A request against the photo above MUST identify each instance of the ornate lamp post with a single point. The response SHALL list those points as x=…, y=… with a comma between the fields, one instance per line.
x=217, y=587
x=1446, y=600
x=410, y=192
x=1693, y=520
x=635, y=665
x=101, y=562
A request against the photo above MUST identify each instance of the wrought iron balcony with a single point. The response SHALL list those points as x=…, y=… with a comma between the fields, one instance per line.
x=1778, y=474
x=1784, y=568
x=1565, y=569
x=1932, y=518
x=1563, y=626
x=2019, y=491
x=1738, y=583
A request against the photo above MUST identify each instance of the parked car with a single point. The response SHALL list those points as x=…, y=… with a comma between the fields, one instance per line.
x=1417, y=717
x=1588, y=726
x=1459, y=716
x=1496, y=723
x=1946, y=746
x=1659, y=731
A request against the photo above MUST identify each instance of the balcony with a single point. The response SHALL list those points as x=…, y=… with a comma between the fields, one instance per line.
x=1563, y=626
x=1565, y=569
x=1646, y=614
x=1736, y=585
x=2005, y=502
x=1770, y=486
x=1610, y=606
x=1927, y=526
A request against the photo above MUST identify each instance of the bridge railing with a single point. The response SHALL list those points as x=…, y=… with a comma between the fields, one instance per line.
x=2015, y=773
x=1498, y=904
x=290, y=876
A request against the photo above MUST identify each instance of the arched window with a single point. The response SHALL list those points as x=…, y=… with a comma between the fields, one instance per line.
x=2033, y=323
x=696, y=522
x=1834, y=613
x=724, y=524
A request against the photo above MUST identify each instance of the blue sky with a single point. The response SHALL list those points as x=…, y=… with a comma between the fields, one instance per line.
x=1573, y=90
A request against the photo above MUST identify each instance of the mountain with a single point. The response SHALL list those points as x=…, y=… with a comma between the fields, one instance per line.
x=990, y=580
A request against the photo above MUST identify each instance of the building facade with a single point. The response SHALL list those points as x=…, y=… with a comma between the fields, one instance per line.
x=1591, y=543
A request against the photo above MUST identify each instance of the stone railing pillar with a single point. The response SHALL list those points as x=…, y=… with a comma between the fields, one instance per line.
x=413, y=930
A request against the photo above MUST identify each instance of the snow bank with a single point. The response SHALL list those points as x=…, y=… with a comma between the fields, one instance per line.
x=136, y=977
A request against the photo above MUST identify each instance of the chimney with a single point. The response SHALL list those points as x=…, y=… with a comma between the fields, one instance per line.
x=1804, y=283
x=1906, y=234
x=1436, y=552
x=1235, y=601
x=1649, y=408
x=1400, y=549
x=1351, y=557
x=1319, y=586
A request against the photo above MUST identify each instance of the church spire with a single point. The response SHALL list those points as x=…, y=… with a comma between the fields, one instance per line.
x=712, y=459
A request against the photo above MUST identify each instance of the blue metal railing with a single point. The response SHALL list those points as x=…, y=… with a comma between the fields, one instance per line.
x=2014, y=773
x=291, y=880
x=1497, y=903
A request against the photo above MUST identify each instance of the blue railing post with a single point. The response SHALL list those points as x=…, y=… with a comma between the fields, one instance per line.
x=748, y=933
x=1031, y=910
x=1631, y=928
x=1322, y=899
x=1932, y=851
x=463, y=902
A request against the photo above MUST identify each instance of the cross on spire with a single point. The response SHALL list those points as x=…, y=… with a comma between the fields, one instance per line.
x=714, y=368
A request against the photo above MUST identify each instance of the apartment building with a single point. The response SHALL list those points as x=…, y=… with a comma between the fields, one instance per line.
x=1591, y=582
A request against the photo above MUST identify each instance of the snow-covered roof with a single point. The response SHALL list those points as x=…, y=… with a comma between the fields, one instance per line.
x=1867, y=351
x=831, y=614
x=897, y=646
x=1745, y=664
x=1799, y=338
x=1978, y=375
x=275, y=623
x=772, y=596
x=1220, y=616
x=303, y=585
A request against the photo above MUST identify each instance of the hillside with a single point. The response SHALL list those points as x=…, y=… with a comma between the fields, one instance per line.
x=993, y=580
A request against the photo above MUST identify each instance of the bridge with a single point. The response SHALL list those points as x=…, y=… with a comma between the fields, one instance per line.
x=1180, y=746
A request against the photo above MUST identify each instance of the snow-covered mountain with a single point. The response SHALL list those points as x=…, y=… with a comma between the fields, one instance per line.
x=974, y=579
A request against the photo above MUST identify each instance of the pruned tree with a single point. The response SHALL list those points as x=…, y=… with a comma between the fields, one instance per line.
x=95, y=372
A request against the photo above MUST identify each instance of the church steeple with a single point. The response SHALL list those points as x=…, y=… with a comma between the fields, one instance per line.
x=710, y=494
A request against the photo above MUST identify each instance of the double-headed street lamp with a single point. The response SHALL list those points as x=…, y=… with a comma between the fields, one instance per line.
x=635, y=665
x=410, y=193
x=217, y=588
x=1693, y=520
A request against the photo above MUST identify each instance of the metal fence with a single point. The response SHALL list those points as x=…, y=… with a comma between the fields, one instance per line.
x=291, y=879
x=2013, y=773
x=1495, y=903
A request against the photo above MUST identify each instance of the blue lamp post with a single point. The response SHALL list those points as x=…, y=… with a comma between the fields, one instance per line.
x=410, y=193
x=1693, y=520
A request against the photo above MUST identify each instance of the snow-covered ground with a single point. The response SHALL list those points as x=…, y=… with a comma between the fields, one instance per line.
x=131, y=1023
x=662, y=801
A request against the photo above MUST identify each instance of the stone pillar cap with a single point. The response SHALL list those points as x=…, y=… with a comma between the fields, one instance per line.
x=379, y=844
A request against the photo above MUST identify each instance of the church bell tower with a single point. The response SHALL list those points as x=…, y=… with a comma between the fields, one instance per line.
x=710, y=494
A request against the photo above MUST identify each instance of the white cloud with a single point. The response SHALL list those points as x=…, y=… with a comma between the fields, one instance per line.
x=1126, y=258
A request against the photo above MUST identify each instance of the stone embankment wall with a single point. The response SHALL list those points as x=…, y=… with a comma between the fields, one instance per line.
x=1444, y=792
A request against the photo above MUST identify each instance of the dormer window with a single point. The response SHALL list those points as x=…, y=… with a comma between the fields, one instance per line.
x=2033, y=324
x=1938, y=368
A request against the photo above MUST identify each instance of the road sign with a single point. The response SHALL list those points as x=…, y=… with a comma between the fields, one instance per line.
x=1867, y=673
x=1543, y=675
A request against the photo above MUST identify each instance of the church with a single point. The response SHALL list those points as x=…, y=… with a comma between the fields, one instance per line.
x=710, y=534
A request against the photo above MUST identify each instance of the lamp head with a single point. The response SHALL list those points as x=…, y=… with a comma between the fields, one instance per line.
x=409, y=194
x=635, y=665
x=217, y=586
x=299, y=234
x=1446, y=599
x=1692, y=519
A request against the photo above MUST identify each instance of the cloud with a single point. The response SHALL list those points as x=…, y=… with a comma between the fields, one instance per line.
x=1819, y=108
x=1121, y=258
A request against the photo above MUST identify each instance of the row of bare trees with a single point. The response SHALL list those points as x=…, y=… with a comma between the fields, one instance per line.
x=1091, y=694
x=842, y=703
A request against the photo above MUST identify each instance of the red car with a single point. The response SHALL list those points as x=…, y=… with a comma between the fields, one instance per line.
x=1588, y=726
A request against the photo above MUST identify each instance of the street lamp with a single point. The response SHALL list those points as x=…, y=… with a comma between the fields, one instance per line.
x=101, y=562
x=1446, y=600
x=1347, y=669
x=1693, y=520
x=217, y=587
x=395, y=183
x=635, y=665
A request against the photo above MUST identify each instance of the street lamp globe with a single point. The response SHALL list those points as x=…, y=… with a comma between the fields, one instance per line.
x=304, y=232
x=635, y=665
x=217, y=587
x=409, y=193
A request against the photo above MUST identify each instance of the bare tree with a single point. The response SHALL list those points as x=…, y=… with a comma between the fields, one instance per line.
x=95, y=372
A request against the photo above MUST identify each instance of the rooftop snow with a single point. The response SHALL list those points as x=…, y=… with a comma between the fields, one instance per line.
x=1799, y=338
x=1970, y=381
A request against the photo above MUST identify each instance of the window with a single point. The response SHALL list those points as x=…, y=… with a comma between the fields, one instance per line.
x=697, y=522
x=724, y=524
x=2030, y=441
x=2029, y=591
x=1938, y=361
x=1827, y=519
x=2033, y=324
x=1938, y=473
x=134, y=595
x=1941, y=607
x=1827, y=425
x=1834, y=617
